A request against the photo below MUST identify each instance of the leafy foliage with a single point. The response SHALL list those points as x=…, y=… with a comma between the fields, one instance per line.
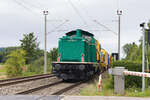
x=37, y=66
x=2, y=49
x=132, y=52
x=31, y=46
x=5, y=52
x=53, y=54
x=15, y=62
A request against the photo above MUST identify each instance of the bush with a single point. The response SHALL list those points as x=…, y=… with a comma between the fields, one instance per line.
x=37, y=66
x=131, y=81
x=15, y=62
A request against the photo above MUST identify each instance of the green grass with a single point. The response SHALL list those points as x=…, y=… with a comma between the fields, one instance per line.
x=28, y=74
x=92, y=88
x=107, y=90
x=2, y=70
x=137, y=92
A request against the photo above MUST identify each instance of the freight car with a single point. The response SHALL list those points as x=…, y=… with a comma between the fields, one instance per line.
x=78, y=56
x=105, y=59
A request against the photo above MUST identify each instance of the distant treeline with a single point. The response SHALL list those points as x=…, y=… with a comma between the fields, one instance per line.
x=5, y=51
x=2, y=49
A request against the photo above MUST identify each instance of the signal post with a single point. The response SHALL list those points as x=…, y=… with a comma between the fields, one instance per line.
x=45, y=42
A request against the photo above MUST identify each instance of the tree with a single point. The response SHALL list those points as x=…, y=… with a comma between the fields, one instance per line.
x=131, y=51
x=126, y=48
x=37, y=66
x=15, y=62
x=31, y=46
x=53, y=54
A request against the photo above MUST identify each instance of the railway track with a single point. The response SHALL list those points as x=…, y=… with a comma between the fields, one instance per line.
x=38, y=88
x=23, y=79
x=67, y=88
x=51, y=87
x=59, y=92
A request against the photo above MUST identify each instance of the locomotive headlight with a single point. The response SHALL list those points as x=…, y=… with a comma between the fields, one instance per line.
x=81, y=67
x=58, y=66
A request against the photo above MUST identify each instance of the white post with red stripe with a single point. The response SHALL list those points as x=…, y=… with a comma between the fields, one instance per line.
x=100, y=83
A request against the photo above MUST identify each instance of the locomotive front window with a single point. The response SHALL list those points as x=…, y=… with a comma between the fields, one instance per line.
x=72, y=36
x=87, y=37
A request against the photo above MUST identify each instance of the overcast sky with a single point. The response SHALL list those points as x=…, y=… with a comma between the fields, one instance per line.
x=18, y=17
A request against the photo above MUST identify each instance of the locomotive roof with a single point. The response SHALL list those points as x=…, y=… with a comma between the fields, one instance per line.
x=82, y=32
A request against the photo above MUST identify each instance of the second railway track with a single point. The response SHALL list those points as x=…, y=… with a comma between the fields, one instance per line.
x=23, y=79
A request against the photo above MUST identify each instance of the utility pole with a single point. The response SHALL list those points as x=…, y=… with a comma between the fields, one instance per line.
x=119, y=13
x=143, y=56
x=45, y=42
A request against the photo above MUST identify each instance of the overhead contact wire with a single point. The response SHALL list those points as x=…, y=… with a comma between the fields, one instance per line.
x=22, y=5
x=58, y=27
x=78, y=13
x=105, y=27
x=32, y=5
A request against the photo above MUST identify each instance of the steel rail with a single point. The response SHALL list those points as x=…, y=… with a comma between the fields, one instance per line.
x=11, y=79
x=21, y=80
x=38, y=88
x=67, y=88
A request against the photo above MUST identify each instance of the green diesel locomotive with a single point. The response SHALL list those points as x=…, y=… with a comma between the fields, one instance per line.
x=78, y=56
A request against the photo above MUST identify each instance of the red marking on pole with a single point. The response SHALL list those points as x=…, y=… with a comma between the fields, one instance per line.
x=99, y=83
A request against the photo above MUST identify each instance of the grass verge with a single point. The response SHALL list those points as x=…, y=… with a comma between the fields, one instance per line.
x=2, y=72
x=92, y=88
x=107, y=90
